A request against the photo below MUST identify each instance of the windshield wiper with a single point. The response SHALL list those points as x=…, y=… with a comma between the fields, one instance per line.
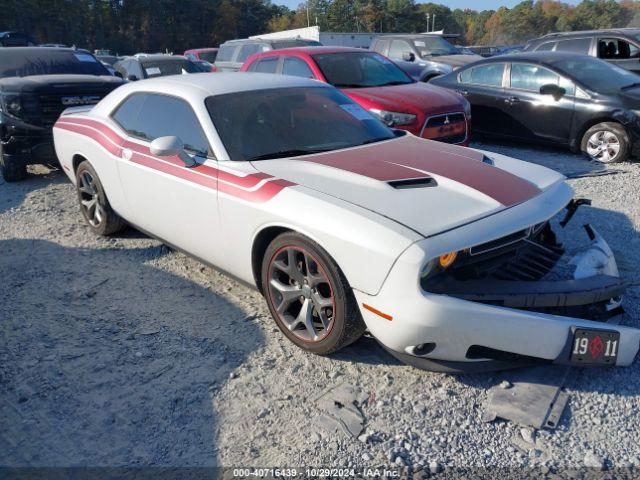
x=375, y=140
x=296, y=152
x=390, y=84
x=348, y=85
x=633, y=85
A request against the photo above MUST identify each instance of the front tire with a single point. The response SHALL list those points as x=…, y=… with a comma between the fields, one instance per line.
x=94, y=205
x=308, y=295
x=11, y=171
x=607, y=142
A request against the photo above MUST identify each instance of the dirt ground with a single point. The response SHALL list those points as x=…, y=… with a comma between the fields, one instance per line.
x=120, y=351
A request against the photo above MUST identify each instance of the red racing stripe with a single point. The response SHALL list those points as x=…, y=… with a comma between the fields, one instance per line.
x=246, y=187
x=412, y=157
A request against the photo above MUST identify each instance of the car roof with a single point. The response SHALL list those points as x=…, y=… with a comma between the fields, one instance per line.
x=534, y=57
x=411, y=36
x=154, y=57
x=221, y=83
x=207, y=49
x=618, y=31
x=311, y=50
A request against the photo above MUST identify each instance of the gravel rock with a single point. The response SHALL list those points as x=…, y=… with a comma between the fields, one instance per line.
x=592, y=460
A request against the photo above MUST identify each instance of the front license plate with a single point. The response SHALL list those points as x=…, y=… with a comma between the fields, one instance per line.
x=595, y=347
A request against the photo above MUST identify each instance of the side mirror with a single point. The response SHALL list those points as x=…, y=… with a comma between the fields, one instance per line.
x=408, y=57
x=132, y=78
x=171, y=146
x=554, y=90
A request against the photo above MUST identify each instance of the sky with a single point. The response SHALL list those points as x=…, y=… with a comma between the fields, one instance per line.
x=473, y=4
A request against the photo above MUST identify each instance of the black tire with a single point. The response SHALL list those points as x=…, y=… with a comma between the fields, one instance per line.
x=346, y=324
x=605, y=130
x=11, y=172
x=106, y=222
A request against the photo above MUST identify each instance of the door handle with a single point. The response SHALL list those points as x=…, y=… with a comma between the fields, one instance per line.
x=511, y=100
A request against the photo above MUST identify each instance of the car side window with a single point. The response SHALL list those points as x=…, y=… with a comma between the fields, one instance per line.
x=617, y=49
x=525, y=76
x=398, y=47
x=546, y=47
x=126, y=114
x=191, y=57
x=575, y=45
x=264, y=65
x=149, y=116
x=381, y=46
x=488, y=75
x=297, y=68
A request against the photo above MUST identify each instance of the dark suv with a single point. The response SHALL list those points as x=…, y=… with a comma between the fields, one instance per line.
x=619, y=46
x=16, y=39
x=144, y=65
x=36, y=85
x=232, y=54
x=423, y=56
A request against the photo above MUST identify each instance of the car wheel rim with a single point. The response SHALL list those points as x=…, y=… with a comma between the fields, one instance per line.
x=603, y=146
x=301, y=294
x=89, y=200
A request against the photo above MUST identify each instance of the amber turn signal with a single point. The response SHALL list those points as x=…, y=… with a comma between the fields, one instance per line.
x=447, y=259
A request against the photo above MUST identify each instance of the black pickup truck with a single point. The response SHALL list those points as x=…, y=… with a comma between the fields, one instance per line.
x=36, y=85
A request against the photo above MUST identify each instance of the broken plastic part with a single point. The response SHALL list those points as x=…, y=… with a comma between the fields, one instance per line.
x=596, y=259
x=572, y=208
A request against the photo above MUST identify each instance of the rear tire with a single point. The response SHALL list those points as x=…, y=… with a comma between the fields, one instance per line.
x=607, y=142
x=94, y=204
x=11, y=171
x=308, y=295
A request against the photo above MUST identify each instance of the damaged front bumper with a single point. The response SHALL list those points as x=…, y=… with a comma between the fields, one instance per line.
x=489, y=324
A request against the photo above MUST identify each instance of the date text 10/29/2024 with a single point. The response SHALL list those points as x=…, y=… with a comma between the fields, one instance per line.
x=316, y=473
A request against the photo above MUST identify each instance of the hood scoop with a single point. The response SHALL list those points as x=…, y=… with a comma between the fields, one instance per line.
x=405, y=184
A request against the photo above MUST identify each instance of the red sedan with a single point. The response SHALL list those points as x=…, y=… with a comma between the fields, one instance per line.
x=378, y=85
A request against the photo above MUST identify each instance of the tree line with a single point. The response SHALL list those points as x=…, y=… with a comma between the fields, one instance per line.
x=130, y=26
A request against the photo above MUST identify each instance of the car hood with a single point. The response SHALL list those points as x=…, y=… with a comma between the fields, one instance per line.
x=455, y=61
x=427, y=186
x=408, y=98
x=52, y=83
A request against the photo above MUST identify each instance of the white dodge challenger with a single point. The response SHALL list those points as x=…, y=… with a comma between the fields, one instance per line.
x=441, y=253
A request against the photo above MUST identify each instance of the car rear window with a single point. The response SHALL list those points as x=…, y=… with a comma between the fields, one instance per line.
x=25, y=62
x=161, y=68
x=225, y=54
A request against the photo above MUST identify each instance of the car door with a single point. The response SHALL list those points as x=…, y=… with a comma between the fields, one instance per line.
x=482, y=85
x=621, y=52
x=167, y=199
x=533, y=115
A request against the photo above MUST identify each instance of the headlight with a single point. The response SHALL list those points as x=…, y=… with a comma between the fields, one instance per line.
x=438, y=265
x=11, y=104
x=393, y=119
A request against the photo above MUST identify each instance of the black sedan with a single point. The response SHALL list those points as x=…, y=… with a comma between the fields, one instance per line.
x=564, y=99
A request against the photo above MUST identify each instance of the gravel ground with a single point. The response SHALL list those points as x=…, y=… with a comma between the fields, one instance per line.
x=121, y=352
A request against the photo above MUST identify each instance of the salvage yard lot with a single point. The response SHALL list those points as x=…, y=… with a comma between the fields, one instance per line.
x=120, y=351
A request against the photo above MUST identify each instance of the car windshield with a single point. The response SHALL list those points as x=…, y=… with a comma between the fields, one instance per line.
x=25, y=62
x=434, y=46
x=360, y=70
x=169, y=66
x=289, y=122
x=597, y=75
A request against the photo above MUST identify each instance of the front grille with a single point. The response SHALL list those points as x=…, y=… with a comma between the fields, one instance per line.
x=449, y=128
x=525, y=255
x=51, y=106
